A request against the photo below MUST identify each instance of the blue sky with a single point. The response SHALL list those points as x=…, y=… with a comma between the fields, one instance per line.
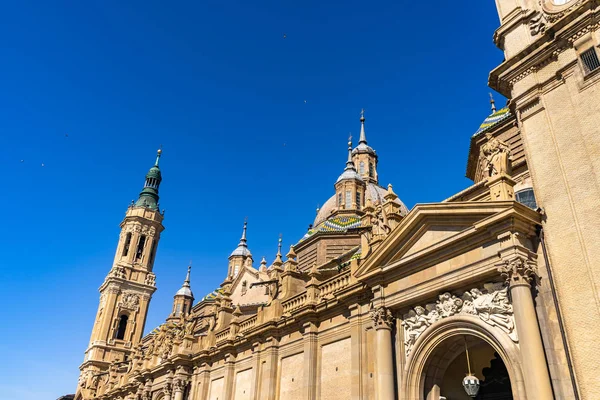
x=252, y=125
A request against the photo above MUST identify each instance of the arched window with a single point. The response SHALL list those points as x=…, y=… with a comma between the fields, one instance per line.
x=361, y=167
x=177, y=310
x=140, y=248
x=526, y=197
x=339, y=199
x=152, y=252
x=122, y=327
x=127, y=244
x=371, y=170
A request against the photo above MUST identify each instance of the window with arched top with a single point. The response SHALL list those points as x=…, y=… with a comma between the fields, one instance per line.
x=371, y=170
x=122, y=327
x=361, y=167
x=126, y=245
x=526, y=197
x=140, y=247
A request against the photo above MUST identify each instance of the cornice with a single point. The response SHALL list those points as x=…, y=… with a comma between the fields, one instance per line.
x=545, y=49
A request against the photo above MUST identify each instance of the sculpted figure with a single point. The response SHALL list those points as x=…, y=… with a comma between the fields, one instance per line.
x=496, y=154
x=380, y=226
x=448, y=304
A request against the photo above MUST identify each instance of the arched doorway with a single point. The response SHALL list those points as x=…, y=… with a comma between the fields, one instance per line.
x=437, y=362
x=447, y=366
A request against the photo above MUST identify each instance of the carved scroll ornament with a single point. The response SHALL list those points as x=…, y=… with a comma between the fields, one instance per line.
x=490, y=304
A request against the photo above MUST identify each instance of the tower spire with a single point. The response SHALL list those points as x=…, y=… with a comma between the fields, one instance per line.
x=243, y=238
x=186, y=287
x=363, y=136
x=493, y=103
x=350, y=163
x=149, y=195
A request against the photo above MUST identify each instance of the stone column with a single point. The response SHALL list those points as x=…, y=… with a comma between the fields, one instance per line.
x=519, y=272
x=310, y=360
x=356, y=338
x=167, y=390
x=229, y=377
x=383, y=322
x=178, y=388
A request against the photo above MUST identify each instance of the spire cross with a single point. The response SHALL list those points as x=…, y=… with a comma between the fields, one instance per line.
x=362, y=113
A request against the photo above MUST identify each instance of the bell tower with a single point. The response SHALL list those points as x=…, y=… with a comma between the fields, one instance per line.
x=126, y=291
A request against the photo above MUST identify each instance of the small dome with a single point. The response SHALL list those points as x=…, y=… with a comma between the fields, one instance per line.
x=374, y=192
x=241, y=250
x=184, y=291
x=349, y=174
x=363, y=148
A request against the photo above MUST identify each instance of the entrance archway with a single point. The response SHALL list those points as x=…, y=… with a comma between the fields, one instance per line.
x=437, y=363
x=447, y=366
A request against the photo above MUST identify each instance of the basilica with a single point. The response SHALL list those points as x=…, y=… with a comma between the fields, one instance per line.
x=492, y=293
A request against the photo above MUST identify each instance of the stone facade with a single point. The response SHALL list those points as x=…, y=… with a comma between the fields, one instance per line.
x=377, y=302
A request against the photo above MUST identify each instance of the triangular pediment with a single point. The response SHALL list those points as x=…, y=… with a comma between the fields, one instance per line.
x=429, y=228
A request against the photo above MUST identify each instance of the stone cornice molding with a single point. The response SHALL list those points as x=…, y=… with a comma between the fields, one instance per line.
x=546, y=48
x=477, y=219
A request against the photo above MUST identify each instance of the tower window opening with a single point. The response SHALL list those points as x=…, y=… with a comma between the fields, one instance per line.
x=361, y=167
x=348, y=199
x=152, y=252
x=177, y=310
x=590, y=61
x=127, y=244
x=140, y=247
x=121, y=327
x=371, y=170
x=244, y=287
x=236, y=270
x=358, y=196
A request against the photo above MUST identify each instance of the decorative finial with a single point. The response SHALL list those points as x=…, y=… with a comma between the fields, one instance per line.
x=187, y=277
x=363, y=136
x=278, y=261
x=158, y=154
x=243, y=239
x=349, y=163
x=493, y=103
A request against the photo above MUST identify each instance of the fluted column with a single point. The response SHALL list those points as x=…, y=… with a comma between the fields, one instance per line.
x=382, y=323
x=519, y=272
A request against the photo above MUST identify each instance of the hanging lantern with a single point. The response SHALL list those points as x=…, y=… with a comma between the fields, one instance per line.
x=470, y=383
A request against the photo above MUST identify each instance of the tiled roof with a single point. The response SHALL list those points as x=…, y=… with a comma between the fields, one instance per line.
x=494, y=119
x=340, y=223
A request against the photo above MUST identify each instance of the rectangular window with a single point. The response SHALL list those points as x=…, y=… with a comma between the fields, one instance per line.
x=348, y=199
x=177, y=310
x=340, y=199
x=371, y=170
x=590, y=61
x=357, y=199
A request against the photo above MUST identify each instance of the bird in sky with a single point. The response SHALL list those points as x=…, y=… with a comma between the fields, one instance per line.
x=284, y=35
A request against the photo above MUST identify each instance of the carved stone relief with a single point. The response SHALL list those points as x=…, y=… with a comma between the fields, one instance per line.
x=490, y=304
x=130, y=301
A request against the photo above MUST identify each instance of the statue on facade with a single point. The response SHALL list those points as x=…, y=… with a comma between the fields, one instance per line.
x=380, y=222
x=496, y=156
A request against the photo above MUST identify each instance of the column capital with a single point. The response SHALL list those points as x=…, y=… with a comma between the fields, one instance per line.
x=518, y=271
x=382, y=318
x=179, y=385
